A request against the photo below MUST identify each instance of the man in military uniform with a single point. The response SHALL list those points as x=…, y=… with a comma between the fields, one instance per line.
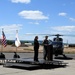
x=45, y=43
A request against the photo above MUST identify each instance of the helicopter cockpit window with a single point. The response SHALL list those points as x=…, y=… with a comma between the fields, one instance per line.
x=57, y=39
x=55, y=43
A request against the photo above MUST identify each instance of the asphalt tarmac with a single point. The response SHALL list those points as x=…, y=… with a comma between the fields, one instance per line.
x=31, y=55
x=69, y=69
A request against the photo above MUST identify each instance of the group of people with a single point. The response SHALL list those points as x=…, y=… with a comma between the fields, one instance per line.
x=36, y=47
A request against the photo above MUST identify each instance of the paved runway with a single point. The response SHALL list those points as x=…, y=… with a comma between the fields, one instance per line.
x=31, y=55
x=68, y=70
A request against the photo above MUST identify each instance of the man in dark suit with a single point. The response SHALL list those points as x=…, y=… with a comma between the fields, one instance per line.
x=36, y=48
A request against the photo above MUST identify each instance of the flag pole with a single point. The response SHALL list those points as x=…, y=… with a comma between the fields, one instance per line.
x=1, y=48
x=3, y=41
x=2, y=44
x=16, y=49
x=17, y=44
x=16, y=33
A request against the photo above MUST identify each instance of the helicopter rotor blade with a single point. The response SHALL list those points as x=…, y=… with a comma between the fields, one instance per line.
x=49, y=34
x=38, y=34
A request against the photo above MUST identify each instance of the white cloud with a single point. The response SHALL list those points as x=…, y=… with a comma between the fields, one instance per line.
x=34, y=15
x=21, y=1
x=72, y=19
x=64, y=28
x=36, y=23
x=62, y=14
x=67, y=31
x=11, y=29
x=65, y=15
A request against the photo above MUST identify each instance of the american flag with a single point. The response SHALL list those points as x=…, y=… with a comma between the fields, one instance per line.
x=4, y=41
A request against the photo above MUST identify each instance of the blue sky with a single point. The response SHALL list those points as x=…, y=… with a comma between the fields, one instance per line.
x=37, y=17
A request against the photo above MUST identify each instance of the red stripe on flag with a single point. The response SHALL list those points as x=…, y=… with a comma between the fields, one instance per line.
x=4, y=41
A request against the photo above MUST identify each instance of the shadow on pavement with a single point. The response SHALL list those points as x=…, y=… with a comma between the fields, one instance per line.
x=64, y=58
x=39, y=67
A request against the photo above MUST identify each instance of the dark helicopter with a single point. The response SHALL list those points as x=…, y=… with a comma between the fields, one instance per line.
x=58, y=45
